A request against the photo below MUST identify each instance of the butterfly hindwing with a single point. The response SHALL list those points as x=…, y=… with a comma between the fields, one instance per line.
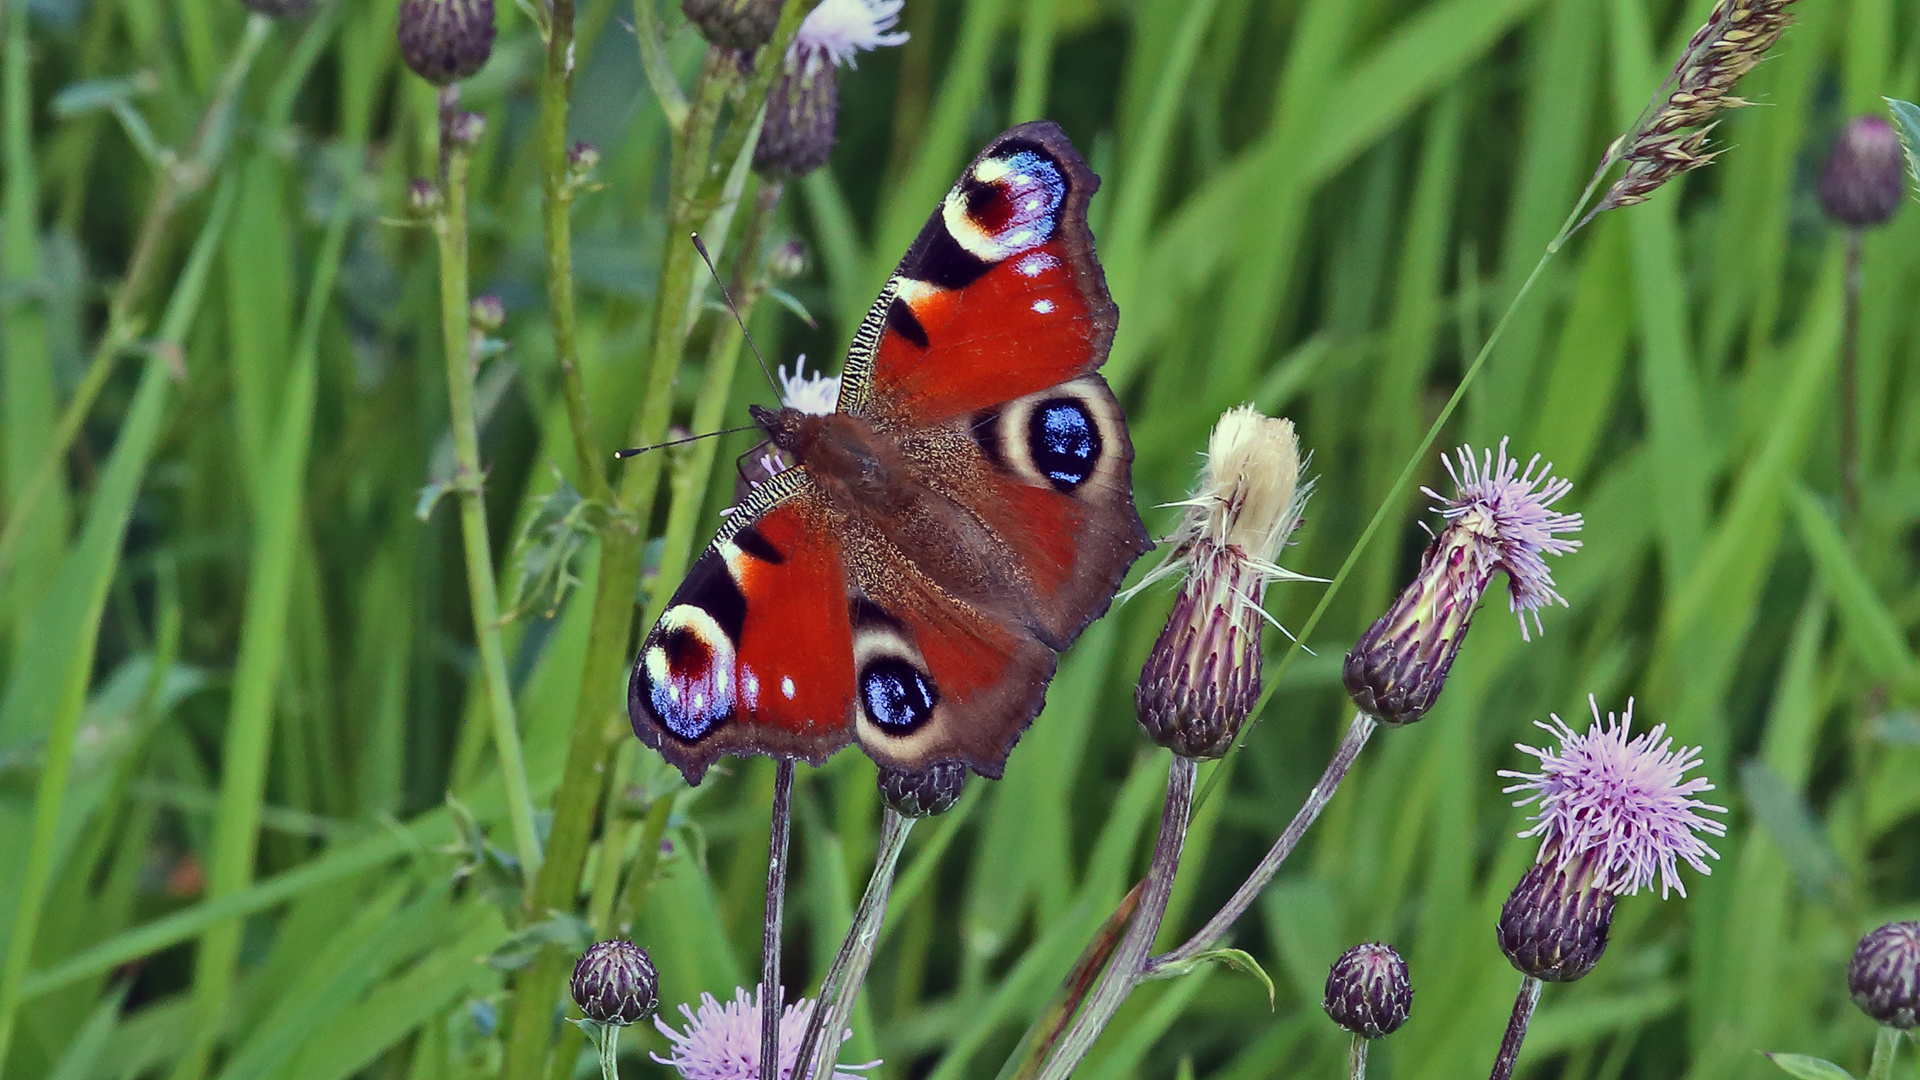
x=755, y=652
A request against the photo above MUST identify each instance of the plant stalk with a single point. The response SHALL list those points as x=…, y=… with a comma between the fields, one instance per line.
x=778, y=835
x=1344, y=756
x=1130, y=958
x=1523, y=1006
x=450, y=229
x=820, y=1044
x=1850, y=385
x=1886, y=1047
x=1357, y=1058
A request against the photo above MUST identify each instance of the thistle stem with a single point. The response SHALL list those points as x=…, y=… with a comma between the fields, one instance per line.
x=450, y=228
x=1523, y=1007
x=1850, y=384
x=1357, y=1058
x=609, y=1047
x=770, y=991
x=1129, y=962
x=1344, y=756
x=1886, y=1046
x=841, y=985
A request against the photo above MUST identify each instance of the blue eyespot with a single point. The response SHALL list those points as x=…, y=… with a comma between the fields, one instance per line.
x=1064, y=442
x=898, y=698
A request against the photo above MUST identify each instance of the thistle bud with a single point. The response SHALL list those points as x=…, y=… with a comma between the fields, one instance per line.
x=1368, y=992
x=582, y=160
x=614, y=983
x=1202, y=678
x=923, y=793
x=466, y=130
x=787, y=261
x=444, y=41
x=733, y=24
x=803, y=108
x=1554, y=923
x=487, y=313
x=1865, y=176
x=423, y=196
x=1499, y=518
x=1884, y=975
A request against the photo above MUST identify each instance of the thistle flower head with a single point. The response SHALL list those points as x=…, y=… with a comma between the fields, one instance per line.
x=1619, y=806
x=923, y=792
x=803, y=106
x=1735, y=37
x=1500, y=517
x=1368, y=992
x=816, y=394
x=1203, y=675
x=1865, y=174
x=614, y=983
x=1509, y=513
x=1884, y=975
x=733, y=24
x=722, y=1041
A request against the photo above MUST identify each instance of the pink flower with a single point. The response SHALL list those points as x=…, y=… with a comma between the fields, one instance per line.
x=1510, y=512
x=722, y=1042
x=1622, y=806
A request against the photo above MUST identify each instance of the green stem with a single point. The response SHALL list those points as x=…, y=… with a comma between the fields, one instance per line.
x=820, y=1043
x=1850, y=386
x=1357, y=1058
x=1886, y=1047
x=1130, y=957
x=450, y=228
x=659, y=68
x=610, y=1052
x=614, y=824
x=779, y=832
x=557, y=188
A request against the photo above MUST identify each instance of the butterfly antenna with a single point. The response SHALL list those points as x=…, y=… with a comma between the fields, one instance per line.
x=622, y=455
x=701, y=247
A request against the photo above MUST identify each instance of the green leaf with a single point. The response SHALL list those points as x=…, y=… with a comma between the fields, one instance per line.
x=1897, y=728
x=1787, y=818
x=1810, y=1068
x=1875, y=633
x=563, y=929
x=1237, y=959
x=1906, y=118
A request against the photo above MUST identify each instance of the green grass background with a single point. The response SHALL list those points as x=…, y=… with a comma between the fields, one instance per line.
x=1321, y=206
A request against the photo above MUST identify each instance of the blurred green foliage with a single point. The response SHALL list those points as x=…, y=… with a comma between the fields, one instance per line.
x=1321, y=206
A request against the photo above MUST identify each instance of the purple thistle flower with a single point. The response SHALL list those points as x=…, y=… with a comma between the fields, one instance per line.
x=1500, y=518
x=1622, y=807
x=1511, y=513
x=722, y=1041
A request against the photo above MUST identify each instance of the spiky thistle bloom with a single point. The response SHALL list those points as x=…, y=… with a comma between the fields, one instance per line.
x=444, y=41
x=1203, y=676
x=722, y=1040
x=923, y=792
x=803, y=106
x=1614, y=813
x=1865, y=174
x=816, y=394
x=1884, y=975
x=614, y=983
x=1499, y=518
x=1368, y=992
x=1735, y=37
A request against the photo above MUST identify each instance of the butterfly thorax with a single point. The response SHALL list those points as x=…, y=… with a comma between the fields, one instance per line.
x=860, y=468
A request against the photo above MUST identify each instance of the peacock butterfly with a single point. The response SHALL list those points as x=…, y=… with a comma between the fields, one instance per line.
x=958, y=520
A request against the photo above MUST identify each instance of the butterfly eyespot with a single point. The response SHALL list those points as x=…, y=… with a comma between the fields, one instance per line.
x=689, y=673
x=1063, y=441
x=896, y=695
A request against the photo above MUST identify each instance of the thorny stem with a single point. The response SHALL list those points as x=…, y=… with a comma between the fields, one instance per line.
x=841, y=984
x=1048, y=1027
x=1130, y=958
x=173, y=186
x=1357, y=1058
x=1523, y=1007
x=1850, y=385
x=557, y=191
x=450, y=228
x=1358, y=733
x=1886, y=1046
x=780, y=831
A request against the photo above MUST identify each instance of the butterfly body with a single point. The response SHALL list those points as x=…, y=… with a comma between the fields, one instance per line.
x=963, y=515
